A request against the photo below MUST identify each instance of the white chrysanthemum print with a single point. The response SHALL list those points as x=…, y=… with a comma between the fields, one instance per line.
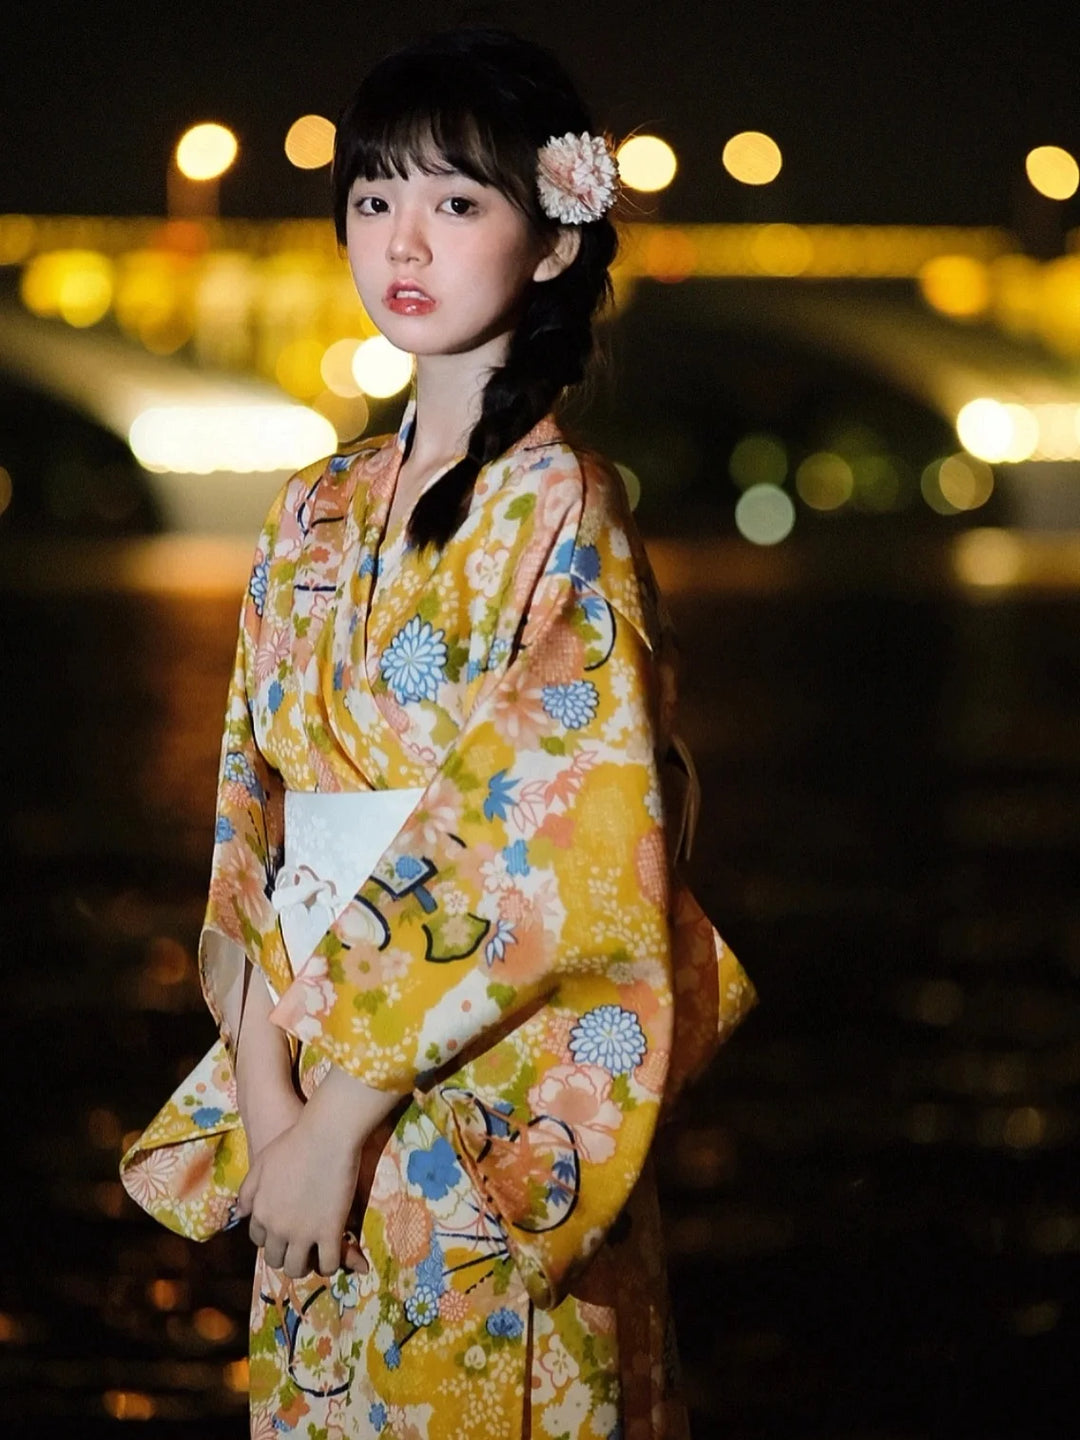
x=608, y=1036
x=413, y=664
x=572, y=705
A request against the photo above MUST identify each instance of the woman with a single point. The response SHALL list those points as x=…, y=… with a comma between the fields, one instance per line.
x=442, y=946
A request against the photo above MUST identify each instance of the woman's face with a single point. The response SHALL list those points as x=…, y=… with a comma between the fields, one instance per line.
x=441, y=262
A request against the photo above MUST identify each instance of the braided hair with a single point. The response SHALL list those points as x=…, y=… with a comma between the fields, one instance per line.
x=484, y=101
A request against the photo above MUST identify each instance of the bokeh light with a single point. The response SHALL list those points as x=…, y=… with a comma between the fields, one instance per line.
x=6, y=489
x=646, y=163
x=752, y=158
x=298, y=369
x=76, y=285
x=632, y=483
x=824, y=481
x=758, y=460
x=995, y=431
x=764, y=515
x=202, y=439
x=206, y=151
x=956, y=285
x=336, y=367
x=309, y=143
x=381, y=369
x=1053, y=172
x=965, y=481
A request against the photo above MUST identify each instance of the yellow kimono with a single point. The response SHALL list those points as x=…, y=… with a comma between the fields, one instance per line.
x=520, y=960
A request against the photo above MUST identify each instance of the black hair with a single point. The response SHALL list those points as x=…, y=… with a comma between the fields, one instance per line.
x=484, y=101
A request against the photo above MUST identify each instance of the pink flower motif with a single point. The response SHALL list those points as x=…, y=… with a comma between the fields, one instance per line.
x=308, y=999
x=576, y=177
x=519, y=715
x=437, y=813
x=271, y=652
x=580, y=1095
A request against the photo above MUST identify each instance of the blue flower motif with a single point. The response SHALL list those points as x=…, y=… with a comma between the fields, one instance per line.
x=504, y=1323
x=495, y=949
x=436, y=1171
x=585, y=564
x=367, y=563
x=413, y=664
x=339, y=675
x=223, y=830
x=260, y=578
x=500, y=648
x=392, y=1355
x=407, y=867
x=274, y=697
x=422, y=1306
x=339, y=463
x=560, y=561
x=517, y=860
x=377, y=1415
x=610, y=1037
x=429, y=1272
x=472, y=670
x=238, y=768
x=500, y=795
x=207, y=1116
x=573, y=705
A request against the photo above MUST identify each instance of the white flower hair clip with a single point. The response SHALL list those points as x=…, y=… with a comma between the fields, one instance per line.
x=577, y=178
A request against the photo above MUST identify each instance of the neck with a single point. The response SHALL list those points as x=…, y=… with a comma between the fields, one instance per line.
x=449, y=394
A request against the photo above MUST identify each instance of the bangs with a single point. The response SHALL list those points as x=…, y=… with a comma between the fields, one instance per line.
x=432, y=122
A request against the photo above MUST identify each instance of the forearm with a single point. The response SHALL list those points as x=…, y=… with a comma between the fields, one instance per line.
x=350, y=1108
x=265, y=1093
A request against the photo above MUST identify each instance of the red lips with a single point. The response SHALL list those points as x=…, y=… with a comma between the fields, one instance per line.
x=404, y=297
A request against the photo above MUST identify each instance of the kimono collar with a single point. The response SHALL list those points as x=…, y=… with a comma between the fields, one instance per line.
x=546, y=431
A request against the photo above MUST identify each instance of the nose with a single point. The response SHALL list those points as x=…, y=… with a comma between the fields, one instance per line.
x=407, y=238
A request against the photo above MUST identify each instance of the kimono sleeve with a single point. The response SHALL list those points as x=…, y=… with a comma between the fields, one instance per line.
x=240, y=924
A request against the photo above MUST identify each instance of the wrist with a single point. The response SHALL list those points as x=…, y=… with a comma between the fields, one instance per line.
x=348, y=1107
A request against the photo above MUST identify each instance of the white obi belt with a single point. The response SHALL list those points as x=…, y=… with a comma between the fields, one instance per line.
x=333, y=841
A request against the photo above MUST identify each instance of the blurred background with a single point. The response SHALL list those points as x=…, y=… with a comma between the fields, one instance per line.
x=843, y=384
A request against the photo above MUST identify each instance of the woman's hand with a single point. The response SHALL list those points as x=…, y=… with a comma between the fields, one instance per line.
x=301, y=1188
x=298, y=1193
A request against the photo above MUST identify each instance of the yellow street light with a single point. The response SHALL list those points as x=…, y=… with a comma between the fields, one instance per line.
x=1053, y=172
x=202, y=155
x=752, y=158
x=646, y=163
x=310, y=142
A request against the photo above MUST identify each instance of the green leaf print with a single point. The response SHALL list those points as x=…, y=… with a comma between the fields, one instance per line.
x=521, y=508
x=553, y=745
x=456, y=656
x=620, y=1093
x=503, y=995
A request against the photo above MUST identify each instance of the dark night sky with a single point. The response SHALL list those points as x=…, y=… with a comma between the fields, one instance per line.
x=905, y=113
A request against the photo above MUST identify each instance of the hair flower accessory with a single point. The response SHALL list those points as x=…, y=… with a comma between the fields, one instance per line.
x=577, y=178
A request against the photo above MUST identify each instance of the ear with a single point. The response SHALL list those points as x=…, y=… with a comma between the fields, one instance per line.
x=562, y=253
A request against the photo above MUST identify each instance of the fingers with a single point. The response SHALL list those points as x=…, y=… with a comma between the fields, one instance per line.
x=329, y=1255
x=297, y=1262
x=354, y=1259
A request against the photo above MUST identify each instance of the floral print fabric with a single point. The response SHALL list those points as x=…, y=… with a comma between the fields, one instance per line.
x=522, y=960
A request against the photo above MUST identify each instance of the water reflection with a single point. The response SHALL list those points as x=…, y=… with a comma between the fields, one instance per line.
x=870, y=1202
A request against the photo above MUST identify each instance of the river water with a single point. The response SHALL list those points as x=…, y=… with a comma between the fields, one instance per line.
x=872, y=1208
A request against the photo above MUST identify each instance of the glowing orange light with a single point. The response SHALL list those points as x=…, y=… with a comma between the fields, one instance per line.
x=1053, y=172
x=752, y=158
x=310, y=142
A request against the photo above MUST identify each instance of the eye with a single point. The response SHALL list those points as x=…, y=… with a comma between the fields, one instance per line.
x=370, y=205
x=460, y=205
